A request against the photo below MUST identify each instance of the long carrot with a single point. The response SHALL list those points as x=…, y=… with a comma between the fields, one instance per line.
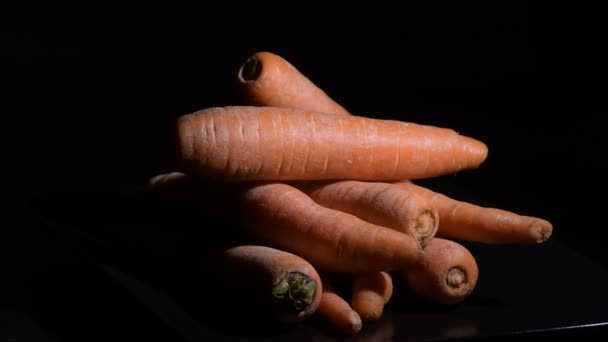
x=336, y=311
x=279, y=284
x=269, y=143
x=371, y=291
x=266, y=79
x=447, y=272
x=280, y=215
x=466, y=221
x=383, y=204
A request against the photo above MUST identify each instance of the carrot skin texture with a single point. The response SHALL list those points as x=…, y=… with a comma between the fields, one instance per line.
x=383, y=204
x=466, y=221
x=447, y=272
x=266, y=79
x=239, y=143
x=281, y=284
x=371, y=291
x=336, y=311
x=280, y=215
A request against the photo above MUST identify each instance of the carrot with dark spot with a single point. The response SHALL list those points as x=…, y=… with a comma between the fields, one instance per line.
x=279, y=284
x=266, y=79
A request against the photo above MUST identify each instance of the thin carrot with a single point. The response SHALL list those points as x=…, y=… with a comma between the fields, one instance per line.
x=269, y=143
x=371, y=291
x=282, y=285
x=280, y=215
x=383, y=204
x=446, y=273
x=266, y=79
x=336, y=311
x=466, y=221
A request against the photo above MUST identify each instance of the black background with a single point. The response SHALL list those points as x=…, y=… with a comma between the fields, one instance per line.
x=90, y=91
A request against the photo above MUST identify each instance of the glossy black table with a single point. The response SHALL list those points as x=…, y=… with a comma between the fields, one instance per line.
x=63, y=280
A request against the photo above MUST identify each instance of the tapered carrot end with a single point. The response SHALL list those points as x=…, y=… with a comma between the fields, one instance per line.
x=541, y=230
x=355, y=323
x=477, y=150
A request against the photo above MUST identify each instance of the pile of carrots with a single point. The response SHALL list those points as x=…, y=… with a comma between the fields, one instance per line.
x=317, y=191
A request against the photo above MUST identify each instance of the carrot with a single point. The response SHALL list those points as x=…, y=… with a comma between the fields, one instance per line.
x=336, y=311
x=269, y=143
x=446, y=273
x=370, y=292
x=275, y=283
x=465, y=221
x=280, y=215
x=266, y=79
x=383, y=204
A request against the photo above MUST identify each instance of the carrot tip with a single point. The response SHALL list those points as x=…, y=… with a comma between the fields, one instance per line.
x=297, y=289
x=541, y=230
x=355, y=323
x=250, y=70
x=456, y=277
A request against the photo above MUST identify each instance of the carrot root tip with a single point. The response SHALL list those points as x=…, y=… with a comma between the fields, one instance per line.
x=456, y=277
x=296, y=289
x=250, y=70
x=542, y=231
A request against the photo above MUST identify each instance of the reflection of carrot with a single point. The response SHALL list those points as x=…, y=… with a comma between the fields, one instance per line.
x=267, y=279
x=370, y=292
x=286, y=218
x=336, y=311
x=266, y=79
x=269, y=143
x=383, y=204
x=446, y=273
x=466, y=221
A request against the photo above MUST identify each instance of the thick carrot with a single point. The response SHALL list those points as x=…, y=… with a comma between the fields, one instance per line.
x=266, y=79
x=370, y=292
x=466, y=221
x=383, y=204
x=336, y=311
x=271, y=281
x=269, y=143
x=280, y=215
x=446, y=273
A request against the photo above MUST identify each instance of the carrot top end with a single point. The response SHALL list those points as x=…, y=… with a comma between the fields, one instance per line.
x=250, y=70
x=296, y=289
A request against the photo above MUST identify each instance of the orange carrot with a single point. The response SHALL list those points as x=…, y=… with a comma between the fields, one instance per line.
x=269, y=143
x=336, y=311
x=446, y=273
x=383, y=204
x=280, y=215
x=271, y=281
x=370, y=292
x=266, y=79
x=466, y=221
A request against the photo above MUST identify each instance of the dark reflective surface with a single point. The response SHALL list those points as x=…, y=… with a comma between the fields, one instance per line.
x=62, y=283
